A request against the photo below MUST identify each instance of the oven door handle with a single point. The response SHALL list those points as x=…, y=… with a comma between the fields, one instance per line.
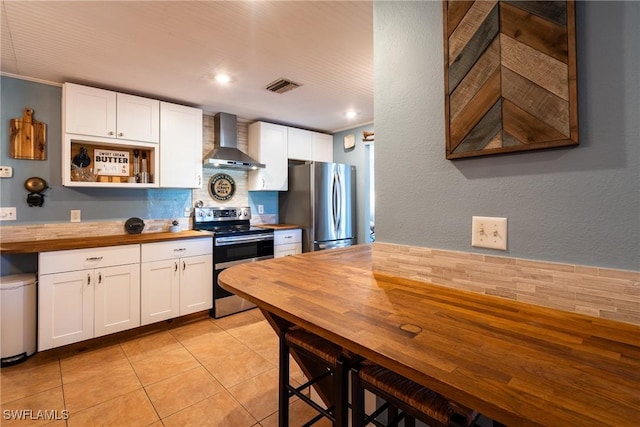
x=224, y=241
x=228, y=264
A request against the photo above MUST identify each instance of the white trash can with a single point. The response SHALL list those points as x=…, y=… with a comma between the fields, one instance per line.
x=17, y=318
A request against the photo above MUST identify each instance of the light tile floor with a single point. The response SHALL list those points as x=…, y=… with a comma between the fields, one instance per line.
x=205, y=372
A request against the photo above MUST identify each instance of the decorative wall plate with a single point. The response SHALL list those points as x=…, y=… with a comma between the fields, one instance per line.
x=222, y=187
x=349, y=141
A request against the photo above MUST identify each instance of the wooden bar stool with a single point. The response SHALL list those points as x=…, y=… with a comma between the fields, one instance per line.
x=334, y=366
x=411, y=399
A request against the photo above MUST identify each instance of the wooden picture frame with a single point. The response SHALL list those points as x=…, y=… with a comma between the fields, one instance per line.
x=510, y=76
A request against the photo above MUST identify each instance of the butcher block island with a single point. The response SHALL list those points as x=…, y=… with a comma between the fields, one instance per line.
x=520, y=364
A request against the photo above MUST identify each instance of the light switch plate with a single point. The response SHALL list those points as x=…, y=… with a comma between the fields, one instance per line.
x=7, y=214
x=489, y=232
x=6, y=171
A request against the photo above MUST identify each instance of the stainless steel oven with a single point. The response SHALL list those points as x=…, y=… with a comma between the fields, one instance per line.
x=235, y=242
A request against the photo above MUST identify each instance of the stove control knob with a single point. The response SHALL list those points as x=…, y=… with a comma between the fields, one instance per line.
x=200, y=214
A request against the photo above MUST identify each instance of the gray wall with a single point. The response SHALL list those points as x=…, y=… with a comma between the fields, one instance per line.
x=95, y=203
x=576, y=205
x=359, y=157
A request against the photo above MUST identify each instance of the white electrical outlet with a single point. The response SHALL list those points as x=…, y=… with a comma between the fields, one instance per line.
x=489, y=232
x=7, y=214
x=260, y=209
x=6, y=171
x=187, y=212
x=75, y=215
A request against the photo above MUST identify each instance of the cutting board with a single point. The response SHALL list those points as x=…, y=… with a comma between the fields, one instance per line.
x=28, y=137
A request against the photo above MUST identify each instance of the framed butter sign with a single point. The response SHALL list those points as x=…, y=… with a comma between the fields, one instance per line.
x=222, y=186
x=510, y=76
x=111, y=162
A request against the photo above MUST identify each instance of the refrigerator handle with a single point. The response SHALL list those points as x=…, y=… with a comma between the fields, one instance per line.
x=337, y=202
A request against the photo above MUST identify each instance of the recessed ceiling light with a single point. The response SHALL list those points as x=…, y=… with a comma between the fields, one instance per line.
x=223, y=78
x=350, y=115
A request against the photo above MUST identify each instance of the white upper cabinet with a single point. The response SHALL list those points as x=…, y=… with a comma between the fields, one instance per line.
x=268, y=145
x=306, y=145
x=103, y=113
x=299, y=144
x=89, y=111
x=138, y=119
x=322, y=145
x=180, y=146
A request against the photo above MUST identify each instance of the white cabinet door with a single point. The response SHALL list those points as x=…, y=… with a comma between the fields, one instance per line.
x=65, y=308
x=160, y=290
x=176, y=278
x=89, y=111
x=299, y=144
x=116, y=299
x=322, y=147
x=108, y=114
x=84, y=293
x=268, y=145
x=180, y=146
x=196, y=290
x=138, y=118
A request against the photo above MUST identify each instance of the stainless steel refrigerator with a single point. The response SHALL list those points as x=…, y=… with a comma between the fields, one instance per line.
x=322, y=200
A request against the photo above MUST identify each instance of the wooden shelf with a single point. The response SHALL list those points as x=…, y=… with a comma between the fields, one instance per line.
x=74, y=143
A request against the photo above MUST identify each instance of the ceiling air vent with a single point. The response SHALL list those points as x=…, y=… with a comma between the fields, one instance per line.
x=282, y=86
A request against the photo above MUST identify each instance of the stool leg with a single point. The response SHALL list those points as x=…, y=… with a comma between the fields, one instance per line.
x=357, y=400
x=392, y=415
x=341, y=385
x=283, y=383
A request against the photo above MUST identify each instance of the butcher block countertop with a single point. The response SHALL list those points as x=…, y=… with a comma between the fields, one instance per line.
x=34, y=246
x=520, y=364
x=279, y=226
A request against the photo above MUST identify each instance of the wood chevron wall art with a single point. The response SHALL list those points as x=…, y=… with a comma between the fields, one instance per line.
x=510, y=76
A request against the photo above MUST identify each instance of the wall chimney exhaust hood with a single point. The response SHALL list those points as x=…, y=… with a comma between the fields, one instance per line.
x=227, y=155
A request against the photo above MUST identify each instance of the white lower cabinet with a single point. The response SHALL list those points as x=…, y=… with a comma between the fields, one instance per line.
x=176, y=278
x=87, y=293
x=287, y=242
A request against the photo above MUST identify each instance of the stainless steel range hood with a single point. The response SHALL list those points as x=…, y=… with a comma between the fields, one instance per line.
x=227, y=155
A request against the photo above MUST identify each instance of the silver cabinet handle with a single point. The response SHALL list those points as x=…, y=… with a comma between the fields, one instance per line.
x=184, y=265
x=120, y=134
x=175, y=267
x=88, y=279
x=110, y=133
x=99, y=278
x=95, y=258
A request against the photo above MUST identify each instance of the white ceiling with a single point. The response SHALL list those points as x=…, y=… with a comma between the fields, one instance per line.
x=171, y=49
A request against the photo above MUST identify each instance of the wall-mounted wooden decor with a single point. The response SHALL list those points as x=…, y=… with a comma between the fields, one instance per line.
x=510, y=76
x=28, y=137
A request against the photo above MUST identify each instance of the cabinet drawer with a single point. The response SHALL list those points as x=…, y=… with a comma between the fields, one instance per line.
x=281, y=237
x=280, y=251
x=176, y=249
x=81, y=259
